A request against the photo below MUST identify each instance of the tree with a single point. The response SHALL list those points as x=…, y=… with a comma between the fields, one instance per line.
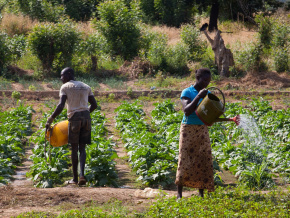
x=54, y=44
x=118, y=24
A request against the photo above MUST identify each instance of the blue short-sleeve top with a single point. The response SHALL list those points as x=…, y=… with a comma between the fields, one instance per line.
x=192, y=119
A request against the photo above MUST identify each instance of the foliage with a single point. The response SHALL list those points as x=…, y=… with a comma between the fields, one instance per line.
x=249, y=57
x=17, y=46
x=5, y=53
x=50, y=167
x=153, y=150
x=257, y=150
x=265, y=33
x=45, y=10
x=191, y=37
x=176, y=57
x=80, y=10
x=15, y=125
x=54, y=44
x=280, y=46
x=16, y=95
x=223, y=203
x=117, y=24
x=93, y=46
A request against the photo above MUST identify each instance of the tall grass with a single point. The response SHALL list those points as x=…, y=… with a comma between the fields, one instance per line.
x=32, y=85
x=5, y=84
x=14, y=24
x=115, y=83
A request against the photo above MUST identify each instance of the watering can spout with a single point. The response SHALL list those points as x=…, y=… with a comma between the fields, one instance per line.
x=236, y=119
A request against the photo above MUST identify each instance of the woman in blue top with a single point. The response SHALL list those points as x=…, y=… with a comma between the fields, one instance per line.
x=195, y=166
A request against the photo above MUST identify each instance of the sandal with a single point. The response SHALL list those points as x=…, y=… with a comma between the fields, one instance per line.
x=82, y=181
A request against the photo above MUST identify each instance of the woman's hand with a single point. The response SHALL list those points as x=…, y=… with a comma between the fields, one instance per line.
x=202, y=93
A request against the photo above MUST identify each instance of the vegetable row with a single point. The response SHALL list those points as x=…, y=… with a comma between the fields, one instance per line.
x=15, y=125
x=52, y=167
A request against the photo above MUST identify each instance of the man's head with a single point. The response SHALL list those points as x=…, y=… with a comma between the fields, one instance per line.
x=66, y=75
x=203, y=77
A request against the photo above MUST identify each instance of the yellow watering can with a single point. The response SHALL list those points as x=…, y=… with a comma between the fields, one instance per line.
x=57, y=135
x=211, y=108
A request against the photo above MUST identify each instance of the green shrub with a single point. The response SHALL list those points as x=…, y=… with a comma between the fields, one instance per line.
x=280, y=46
x=173, y=12
x=17, y=45
x=153, y=47
x=44, y=10
x=80, y=10
x=191, y=37
x=118, y=25
x=5, y=54
x=248, y=56
x=93, y=46
x=281, y=34
x=54, y=44
x=176, y=57
x=265, y=30
x=281, y=59
x=16, y=95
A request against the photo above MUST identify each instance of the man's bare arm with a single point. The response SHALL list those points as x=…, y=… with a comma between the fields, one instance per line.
x=93, y=103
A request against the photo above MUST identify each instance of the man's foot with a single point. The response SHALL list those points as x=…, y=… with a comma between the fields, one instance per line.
x=82, y=181
x=71, y=182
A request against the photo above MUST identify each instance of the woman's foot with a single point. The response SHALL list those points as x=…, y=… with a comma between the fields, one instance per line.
x=71, y=182
x=82, y=181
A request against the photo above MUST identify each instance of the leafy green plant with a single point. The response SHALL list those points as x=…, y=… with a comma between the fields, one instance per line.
x=50, y=167
x=117, y=24
x=16, y=95
x=15, y=126
x=54, y=44
x=190, y=35
x=5, y=53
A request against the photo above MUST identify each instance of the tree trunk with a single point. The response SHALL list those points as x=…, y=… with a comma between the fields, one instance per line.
x=214, y=13
x=94, y=63
x=223, y=56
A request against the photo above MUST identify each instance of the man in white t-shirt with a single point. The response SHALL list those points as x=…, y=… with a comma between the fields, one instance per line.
x=77, y=95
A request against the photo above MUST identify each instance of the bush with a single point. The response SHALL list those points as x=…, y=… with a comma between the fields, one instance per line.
x=280, y=46
x=80, y=10
x=281, y=59
x=17, y=46
x=43, y=10
x=5, y=54
x=173, y=12
x=155, y=46
x=191, y=37
x=176, y=59
x=54, y=44
x=118, y=25
x=93, y=46
x=265, y=30
x=16, y=95
x=248, y=57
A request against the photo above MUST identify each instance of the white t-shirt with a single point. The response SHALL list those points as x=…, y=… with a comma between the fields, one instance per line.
x=77, y=96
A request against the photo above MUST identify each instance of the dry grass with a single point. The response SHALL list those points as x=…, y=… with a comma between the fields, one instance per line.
x=85, y=27
x=14, y=24
x=172, y=33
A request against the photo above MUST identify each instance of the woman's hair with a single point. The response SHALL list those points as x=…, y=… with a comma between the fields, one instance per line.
x=202, y=72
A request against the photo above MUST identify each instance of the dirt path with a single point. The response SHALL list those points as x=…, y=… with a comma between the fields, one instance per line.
x=126, y=179
x=20, y=179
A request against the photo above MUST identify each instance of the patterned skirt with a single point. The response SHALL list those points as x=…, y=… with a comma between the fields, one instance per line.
x=195, y=166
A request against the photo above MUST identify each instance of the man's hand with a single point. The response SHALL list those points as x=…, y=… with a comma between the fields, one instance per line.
x=49, y=122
